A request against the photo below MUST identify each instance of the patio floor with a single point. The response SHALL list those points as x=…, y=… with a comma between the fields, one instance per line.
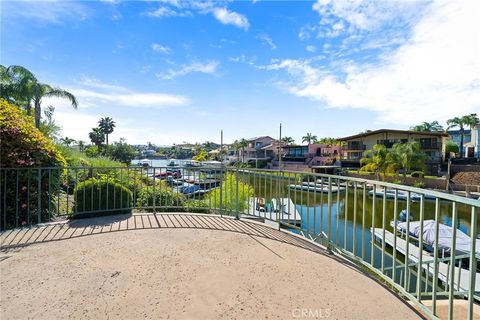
x=181, y=266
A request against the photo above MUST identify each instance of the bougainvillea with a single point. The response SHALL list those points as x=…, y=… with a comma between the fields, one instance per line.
x=30, y=170
x=23, y=145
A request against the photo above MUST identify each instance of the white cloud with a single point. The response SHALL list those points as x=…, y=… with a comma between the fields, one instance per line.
x=168, y=12
x=230, y=17
x=208, y=67
x=94, y=93
x=51, y=11
x=162, y=49
x=310, y=48
x=187, y=8
x=243, y=59
x=435, y=75
x=265, y=38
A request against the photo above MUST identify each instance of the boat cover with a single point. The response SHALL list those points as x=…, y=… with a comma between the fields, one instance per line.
x=462, y=243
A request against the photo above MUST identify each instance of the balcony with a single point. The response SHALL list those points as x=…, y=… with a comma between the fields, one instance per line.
x=355, y=147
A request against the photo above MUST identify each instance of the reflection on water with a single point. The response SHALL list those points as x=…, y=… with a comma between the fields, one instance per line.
x=347, y=224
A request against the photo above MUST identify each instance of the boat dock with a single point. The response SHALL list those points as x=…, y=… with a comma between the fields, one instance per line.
x=315, y=187
x=462, y=277
x=283, y=206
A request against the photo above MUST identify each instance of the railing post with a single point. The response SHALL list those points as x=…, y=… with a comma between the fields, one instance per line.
x=237, y=211
x=39, y=197
x=329, y=217
x=222, y=178
x=453, y=253
x=473, y=263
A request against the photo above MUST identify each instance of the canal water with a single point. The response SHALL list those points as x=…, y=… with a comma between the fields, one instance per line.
x=345, y=224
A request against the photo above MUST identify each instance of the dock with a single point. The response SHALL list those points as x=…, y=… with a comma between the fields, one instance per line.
x=312, y=187
x=461, y=280
x=285, y=207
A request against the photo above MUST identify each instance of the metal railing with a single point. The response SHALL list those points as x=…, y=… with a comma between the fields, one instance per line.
x=356, y=218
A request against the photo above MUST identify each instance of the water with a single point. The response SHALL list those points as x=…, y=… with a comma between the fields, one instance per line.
x=345, y=225
x=156, y=162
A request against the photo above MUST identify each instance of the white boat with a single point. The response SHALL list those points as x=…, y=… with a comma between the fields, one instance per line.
x=445, y=233
x=390, y=193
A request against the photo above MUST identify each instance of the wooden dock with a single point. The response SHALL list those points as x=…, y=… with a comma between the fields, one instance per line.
x=285, y=208
x=312, y=187
x=462, y=277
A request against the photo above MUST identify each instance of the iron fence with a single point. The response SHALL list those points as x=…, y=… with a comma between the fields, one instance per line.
x=422, y=243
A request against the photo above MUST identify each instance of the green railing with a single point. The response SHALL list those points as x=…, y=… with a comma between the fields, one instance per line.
x=352, y=217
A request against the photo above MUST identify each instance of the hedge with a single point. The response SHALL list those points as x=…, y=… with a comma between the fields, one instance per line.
x=165, y=200
x=101, y=197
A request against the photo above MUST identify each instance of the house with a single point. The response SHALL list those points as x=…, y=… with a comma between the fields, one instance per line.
x=260, y=148
x=471, y=141
x=311, y=155
x=432, y=143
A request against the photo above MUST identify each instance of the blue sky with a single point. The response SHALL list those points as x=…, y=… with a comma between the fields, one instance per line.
x=174, y=71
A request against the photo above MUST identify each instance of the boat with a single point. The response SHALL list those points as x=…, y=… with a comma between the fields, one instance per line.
x=170, y=172
x=445, y=234
x=390, y=193
x=191, y=164
x=144, y=163
x=172, y=163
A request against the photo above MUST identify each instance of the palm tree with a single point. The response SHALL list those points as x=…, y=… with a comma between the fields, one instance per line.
x=428, y=126
x=20, y=86
x=107, y=125
x=67, y=141
x=97, y=137
x=377, y=160
x=406, y=156
x=41, y=90
x=470, y=120
x=81, y=145
x=242, y=144
x=288, y=140
x=16, y=83
x=309, y=138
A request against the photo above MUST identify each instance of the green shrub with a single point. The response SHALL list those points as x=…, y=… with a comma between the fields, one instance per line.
x=235, y=195
x=419, y=184
x=417, y=174
x=195, y=205
x=163, y=199
x=102, y=196
x=23, y=146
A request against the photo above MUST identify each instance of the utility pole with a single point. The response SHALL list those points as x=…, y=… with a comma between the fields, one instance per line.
x=280, y=149
x=221, y=145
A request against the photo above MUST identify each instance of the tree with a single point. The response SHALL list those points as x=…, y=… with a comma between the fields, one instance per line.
x=48, y=126
x=122, y=151
x=242, y=144
x=460, y=122
x=309, y=138
x=288, y=140
x=202, y=156
x=428, y=127
x=377, y=160
x=16, y=86
x=405, y=156
x=450, y=147
x=97, y=137
x=41, y=90
x=67, y=141
x=81, y=145
x=107, y=125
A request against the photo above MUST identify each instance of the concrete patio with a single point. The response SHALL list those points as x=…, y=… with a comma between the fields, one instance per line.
x=181, y=266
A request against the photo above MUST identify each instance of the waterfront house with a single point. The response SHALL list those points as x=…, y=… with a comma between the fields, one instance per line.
x=310, y=155
x=471, y=141
x=432, y=143
x=260, y=148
